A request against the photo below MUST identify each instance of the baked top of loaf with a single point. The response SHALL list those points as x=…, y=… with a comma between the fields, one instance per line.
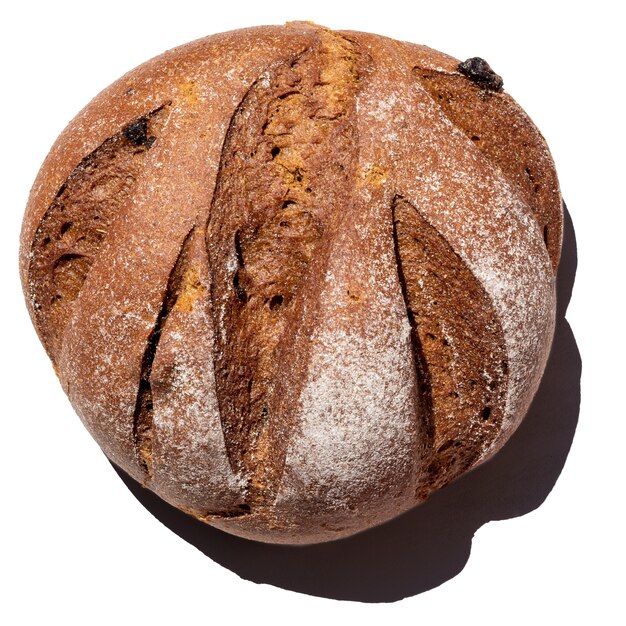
x=294, y=280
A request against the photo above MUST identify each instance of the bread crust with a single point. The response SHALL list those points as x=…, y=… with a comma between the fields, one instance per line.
x=324, y=287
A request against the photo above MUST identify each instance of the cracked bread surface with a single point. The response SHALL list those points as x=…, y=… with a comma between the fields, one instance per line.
x=294, y=280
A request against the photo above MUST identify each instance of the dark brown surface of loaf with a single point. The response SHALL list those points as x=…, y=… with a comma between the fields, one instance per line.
x=294, y=280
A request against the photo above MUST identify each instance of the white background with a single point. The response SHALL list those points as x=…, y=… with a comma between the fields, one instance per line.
x=77, y=546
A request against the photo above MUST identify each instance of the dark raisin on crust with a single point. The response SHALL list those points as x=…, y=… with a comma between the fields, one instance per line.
x=137, y=132
x=479, y=71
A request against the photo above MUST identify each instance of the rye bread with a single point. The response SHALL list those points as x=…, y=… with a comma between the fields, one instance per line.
x=294, y=280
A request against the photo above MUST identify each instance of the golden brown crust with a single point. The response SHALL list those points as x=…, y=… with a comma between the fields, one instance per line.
x=312, y=243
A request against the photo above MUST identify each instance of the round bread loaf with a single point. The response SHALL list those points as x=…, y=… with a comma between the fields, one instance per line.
x=294, y=280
